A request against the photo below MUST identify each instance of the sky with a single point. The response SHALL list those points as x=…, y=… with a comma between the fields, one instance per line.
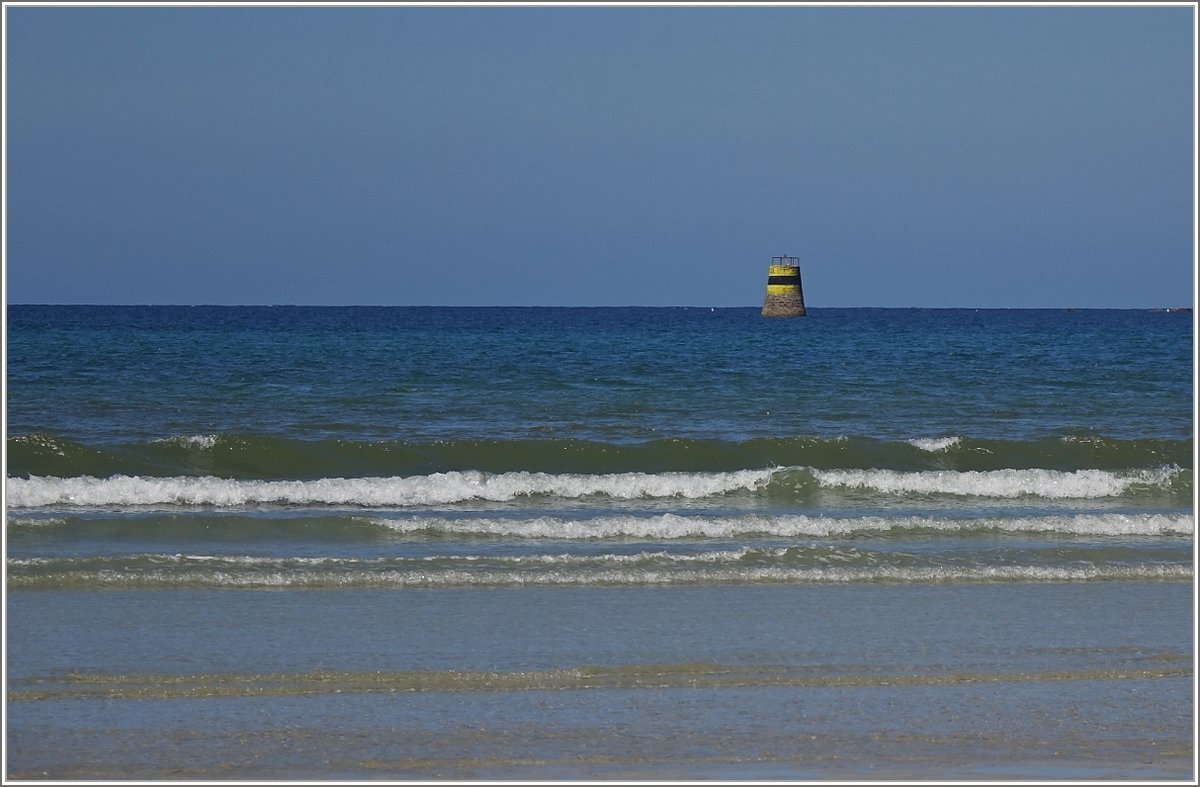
x=970, y=156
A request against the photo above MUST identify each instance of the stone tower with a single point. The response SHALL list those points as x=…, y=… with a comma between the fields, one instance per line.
x=785, y=294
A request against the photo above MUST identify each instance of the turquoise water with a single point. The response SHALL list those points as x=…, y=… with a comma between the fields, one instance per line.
x=589, y=542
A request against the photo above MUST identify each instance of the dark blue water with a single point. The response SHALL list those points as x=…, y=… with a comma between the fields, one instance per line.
x=106, y=374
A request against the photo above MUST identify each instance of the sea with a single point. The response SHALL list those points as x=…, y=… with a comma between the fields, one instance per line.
x=421, y=543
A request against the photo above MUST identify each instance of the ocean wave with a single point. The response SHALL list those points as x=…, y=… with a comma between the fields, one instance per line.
x=796, y=565
x=201, y=442
x=455, y=487
x=675, y=526
x=370, y=528
x=268, y=457
x=934, y=444
x=435, y=489
x=1052, y=484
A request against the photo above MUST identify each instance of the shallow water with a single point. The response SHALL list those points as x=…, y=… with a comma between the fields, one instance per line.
x=688, y=682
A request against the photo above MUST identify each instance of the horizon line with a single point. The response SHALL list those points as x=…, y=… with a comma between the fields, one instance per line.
x=1178, y=308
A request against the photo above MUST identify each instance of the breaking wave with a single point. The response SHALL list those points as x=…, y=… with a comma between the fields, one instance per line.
x=817, y=565
x=461, y=486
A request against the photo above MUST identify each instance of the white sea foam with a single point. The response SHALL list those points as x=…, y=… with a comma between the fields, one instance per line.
x=810, y=558
x=674, y=526
x=458, y=486
x=204, y=442
x=999, y=483
x=642, y=569
x=435, y=489
x=935, y=444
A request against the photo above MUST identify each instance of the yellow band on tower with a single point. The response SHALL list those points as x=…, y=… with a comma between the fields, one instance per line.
x=785, y=294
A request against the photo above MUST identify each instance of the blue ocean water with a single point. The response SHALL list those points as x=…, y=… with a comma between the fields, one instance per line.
x=105, y=375
x=558, y=499
x=146, y=444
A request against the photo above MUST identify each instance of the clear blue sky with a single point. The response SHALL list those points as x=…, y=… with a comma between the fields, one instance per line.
x=910, y=156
